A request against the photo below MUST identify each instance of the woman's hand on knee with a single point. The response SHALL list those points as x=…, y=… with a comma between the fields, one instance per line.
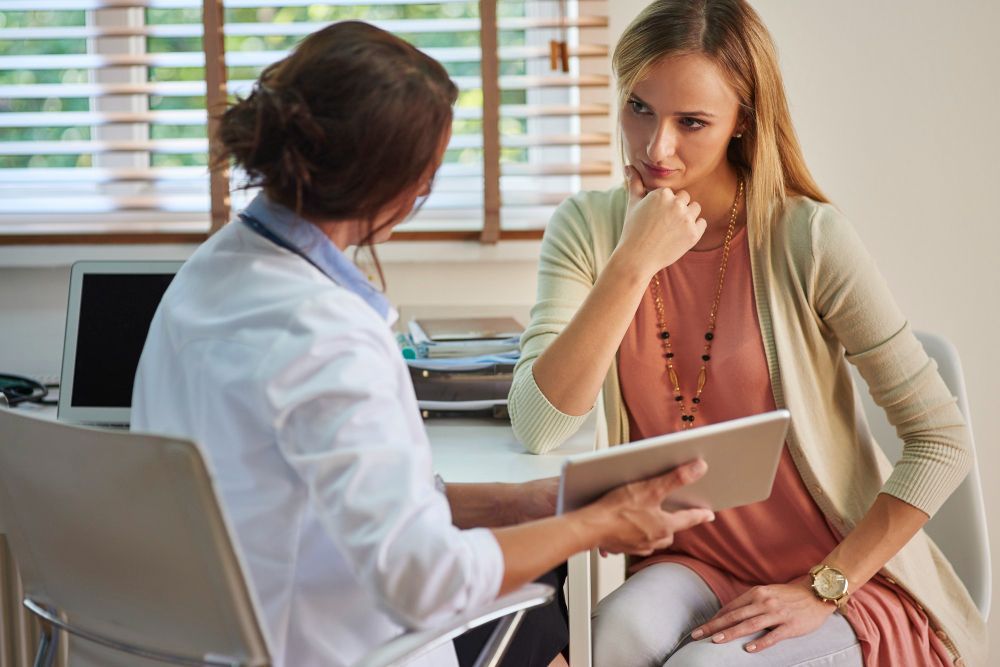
x=789, y=610
x=631, y=518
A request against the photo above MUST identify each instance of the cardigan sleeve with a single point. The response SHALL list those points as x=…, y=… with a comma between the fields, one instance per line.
x=853, y=300
x=566, y=275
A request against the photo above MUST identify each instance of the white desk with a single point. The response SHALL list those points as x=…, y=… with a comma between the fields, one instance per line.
x=485, y=450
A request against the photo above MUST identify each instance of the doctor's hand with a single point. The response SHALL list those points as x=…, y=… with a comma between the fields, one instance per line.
x=789, y=610
x=659, y=226
x=630, y=519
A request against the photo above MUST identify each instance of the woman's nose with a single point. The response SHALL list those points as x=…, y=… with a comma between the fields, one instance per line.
x=663, y=143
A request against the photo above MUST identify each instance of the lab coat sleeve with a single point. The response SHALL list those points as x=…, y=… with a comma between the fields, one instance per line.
x=342, y=424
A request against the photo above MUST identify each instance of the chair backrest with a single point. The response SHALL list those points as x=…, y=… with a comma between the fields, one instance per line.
x=124, y=535
x=959, y=527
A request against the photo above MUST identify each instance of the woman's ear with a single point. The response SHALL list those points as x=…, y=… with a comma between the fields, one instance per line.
x=743, y=121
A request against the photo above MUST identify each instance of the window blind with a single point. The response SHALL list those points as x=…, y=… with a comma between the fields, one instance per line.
x=104, y=130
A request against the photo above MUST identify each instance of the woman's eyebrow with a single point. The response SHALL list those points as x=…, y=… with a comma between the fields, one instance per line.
x=707, y=114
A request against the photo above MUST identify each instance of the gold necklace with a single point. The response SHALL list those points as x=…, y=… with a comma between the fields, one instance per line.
x=688, y=416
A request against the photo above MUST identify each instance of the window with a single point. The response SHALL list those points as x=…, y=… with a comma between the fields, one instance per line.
x=103, y=128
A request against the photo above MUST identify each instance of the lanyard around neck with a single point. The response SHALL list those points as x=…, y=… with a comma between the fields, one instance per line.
x=255, y=224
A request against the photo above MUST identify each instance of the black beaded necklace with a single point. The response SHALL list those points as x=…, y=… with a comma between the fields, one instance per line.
x=687, y=417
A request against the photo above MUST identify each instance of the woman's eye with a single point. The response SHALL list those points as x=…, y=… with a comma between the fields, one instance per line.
x=637, y=107
x=693, y=123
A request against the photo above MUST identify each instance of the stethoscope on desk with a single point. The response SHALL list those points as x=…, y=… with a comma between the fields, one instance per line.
x=17, y=389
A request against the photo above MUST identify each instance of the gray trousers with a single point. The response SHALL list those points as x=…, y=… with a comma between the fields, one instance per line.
x=647, y=622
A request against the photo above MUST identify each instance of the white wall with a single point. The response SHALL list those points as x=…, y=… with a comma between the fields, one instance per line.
x=896, y=106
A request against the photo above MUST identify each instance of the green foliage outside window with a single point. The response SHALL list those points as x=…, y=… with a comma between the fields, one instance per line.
x=9, y=47
x=318, y=13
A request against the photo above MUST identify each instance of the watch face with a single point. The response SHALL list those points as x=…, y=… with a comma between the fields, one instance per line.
x=830, y=583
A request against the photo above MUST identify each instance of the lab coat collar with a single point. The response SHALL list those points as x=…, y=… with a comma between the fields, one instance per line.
x=319, y=249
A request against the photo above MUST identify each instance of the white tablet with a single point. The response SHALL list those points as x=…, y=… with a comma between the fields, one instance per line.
x=742, y=457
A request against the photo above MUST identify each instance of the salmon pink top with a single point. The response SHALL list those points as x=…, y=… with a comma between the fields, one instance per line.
x=777, y=540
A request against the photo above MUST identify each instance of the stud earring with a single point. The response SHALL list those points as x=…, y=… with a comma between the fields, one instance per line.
x=738, y=135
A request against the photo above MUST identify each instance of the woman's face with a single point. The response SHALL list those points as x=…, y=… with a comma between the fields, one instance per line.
x=678, y=122
x=391, y=216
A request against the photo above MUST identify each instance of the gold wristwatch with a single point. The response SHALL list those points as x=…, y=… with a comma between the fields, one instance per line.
x=830, y=585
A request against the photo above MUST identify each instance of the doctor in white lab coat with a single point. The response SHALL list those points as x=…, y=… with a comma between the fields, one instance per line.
x=274, y=351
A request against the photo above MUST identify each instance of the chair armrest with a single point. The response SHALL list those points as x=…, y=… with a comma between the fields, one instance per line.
x=411, y=645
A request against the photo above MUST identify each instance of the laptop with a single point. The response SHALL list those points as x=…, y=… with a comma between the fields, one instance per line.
x=111, y=305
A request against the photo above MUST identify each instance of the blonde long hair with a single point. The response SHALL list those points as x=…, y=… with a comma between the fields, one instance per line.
x=731, y=35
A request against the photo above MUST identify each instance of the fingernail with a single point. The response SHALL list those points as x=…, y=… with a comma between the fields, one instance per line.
x=699, y=467
x=711, y=517
x=698, y=634
x=718, y=637
x=751, y=647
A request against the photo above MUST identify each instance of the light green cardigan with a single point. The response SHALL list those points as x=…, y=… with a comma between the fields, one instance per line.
x=818, y=295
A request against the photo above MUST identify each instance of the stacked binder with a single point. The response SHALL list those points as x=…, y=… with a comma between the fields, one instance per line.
x=462, y=367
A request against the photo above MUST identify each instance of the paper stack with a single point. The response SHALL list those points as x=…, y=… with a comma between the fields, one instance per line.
x=462, y=366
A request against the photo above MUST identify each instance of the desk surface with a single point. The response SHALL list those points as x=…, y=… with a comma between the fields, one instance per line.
x=485, y=450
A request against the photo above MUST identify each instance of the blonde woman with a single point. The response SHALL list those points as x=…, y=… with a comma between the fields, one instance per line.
x=719, y=283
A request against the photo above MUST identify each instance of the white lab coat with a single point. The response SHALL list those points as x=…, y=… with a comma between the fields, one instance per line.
x=296, y=388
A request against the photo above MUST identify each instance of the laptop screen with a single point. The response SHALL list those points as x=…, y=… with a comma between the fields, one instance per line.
x=111, y=305
x=115, y=314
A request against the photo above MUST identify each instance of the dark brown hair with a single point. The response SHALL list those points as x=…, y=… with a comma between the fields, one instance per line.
x=343, y=126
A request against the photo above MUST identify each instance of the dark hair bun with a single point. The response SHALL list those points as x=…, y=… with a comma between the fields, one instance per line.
x=343, y=125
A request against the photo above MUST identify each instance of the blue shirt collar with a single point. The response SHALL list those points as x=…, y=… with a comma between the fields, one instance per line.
x=318, y=248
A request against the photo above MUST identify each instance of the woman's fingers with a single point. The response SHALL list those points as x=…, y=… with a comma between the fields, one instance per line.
x=680, y=476
x=636, y=190
x=635, y=521
x=789, y=609
x=660, y=226
x=685, y=519
x=682, y=520
x=724, y=620
x=780, y=633
x=751, y=626
x=694, y=210
x=716, y=623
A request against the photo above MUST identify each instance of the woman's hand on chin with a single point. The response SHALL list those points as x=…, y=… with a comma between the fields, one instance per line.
x=789, y=610
x=660, y=226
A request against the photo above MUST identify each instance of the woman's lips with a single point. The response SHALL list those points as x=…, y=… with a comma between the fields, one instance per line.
x=657, y=172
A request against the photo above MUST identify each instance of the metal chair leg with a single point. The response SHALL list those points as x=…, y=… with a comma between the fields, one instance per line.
x=48, y=645
x=499, y=641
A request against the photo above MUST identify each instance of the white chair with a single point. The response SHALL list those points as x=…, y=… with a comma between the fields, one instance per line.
x=121, y=541
x=959, y=527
